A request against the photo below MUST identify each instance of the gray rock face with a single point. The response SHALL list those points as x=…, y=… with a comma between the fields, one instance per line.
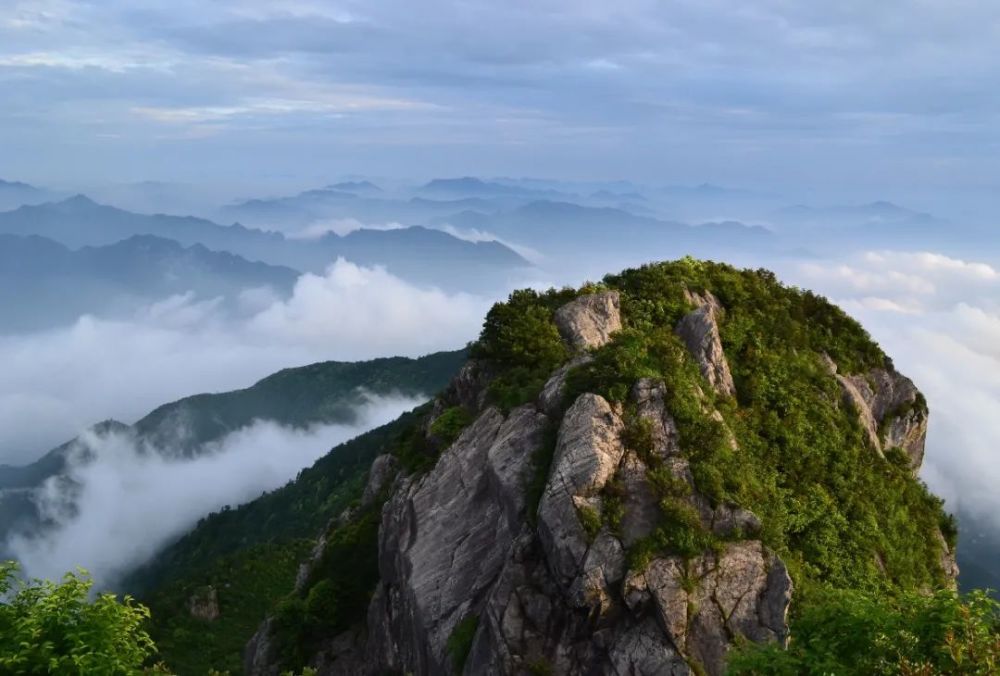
x=445, y=537
x=549, y=593
x=641, y=505
x=700, y=332
x=529, y=625
x=204, y=604
x=948, y=562
x=383, y=471
x=728, y=520
x=705, y=602
x=644, y=651
x=551, y=399
x=642, y=511
x=648, y=396
x=343, y=655
x=587, y=455
x=551, y=586
x=603, y=567
x=891, y=410
x=856, y=398
x=258, y=655
x=589, y=321
x=468, y=388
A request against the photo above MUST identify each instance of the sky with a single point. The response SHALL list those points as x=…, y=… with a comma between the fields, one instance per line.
x=868, y=99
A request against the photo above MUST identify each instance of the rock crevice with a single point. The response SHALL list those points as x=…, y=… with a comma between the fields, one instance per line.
x=700, y=332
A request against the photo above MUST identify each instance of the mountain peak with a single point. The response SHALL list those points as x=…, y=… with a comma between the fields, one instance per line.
x=355, y=186
x=78, y=201
x=461, y=182
x=607, y=464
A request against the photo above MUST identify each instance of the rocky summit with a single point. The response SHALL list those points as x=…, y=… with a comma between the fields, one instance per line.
x=616, y=483
x=622, y=480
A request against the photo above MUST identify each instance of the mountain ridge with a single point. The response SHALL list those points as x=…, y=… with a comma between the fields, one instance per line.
x=414, y=255
x=322, y=393
x=47, y=284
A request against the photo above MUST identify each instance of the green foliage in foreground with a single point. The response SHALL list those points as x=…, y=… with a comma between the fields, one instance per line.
x=52, y=628
x=849, y=633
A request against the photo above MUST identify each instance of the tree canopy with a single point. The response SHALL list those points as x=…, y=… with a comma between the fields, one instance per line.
x=56, y=628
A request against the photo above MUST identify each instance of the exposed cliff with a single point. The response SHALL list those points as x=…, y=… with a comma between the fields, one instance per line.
x=628, y=479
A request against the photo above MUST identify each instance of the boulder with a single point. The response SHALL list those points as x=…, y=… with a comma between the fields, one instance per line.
x=891, y=409
x=445, y=536
x=589, y=321
x=649, y=397
x=588, y=452
x=706, y=602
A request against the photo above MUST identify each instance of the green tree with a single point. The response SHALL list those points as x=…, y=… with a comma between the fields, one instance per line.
x=850, y=633
x=55, y=628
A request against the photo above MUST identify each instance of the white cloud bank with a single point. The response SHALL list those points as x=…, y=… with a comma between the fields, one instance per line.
x=58, y=382
x=132, y=500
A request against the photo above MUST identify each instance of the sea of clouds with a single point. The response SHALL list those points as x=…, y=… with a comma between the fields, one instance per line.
x=121, y=501
x=56, y=383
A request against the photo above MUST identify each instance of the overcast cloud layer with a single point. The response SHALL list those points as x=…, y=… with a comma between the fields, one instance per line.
x=809, y=97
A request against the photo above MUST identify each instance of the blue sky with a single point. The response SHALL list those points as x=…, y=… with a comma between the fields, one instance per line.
x=856, y=97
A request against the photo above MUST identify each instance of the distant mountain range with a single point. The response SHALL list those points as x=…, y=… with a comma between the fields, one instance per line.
x=356, y=187
x=469, y=186
x=871, y=214
x=417, y=254
x=44, y=283
x=571, y=228
x=294, y=213
x=845, y=228
x=14, y=194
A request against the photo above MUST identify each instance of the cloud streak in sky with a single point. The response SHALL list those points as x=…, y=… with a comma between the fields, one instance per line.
x=765, y=92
